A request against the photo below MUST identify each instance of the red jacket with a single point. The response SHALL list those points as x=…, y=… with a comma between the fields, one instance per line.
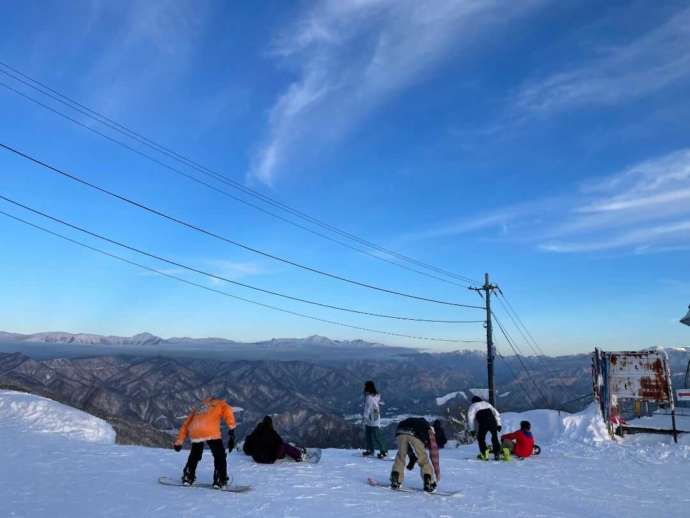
x=524, y=442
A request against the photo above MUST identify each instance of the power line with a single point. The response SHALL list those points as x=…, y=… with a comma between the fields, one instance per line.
x=216, y=189
x=124, y=130
x=221, y=292
x=517, y=326
x=522, y=324
x=219, y=277
x=228, y=240
x=519, y=357
x=524, y=332
x=517, y=380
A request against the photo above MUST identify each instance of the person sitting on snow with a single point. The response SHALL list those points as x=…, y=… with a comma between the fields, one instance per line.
x=265, y=445
x=520, y=442
x=483, y=418
x=415, y=434
x=203, y=425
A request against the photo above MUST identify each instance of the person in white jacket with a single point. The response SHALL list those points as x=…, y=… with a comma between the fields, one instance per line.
x=372, y=421
x=483, y=418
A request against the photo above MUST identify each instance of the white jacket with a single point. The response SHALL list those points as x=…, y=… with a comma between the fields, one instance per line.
x=372, y=414
x=476, y=407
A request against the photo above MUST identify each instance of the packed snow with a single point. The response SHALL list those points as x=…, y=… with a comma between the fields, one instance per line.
x=49, y=470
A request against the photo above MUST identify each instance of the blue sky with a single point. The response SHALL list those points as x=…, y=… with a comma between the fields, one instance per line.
x=547, y=143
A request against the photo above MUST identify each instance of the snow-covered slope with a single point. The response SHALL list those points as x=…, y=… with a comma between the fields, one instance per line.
x=60, y=474
x=29, y=414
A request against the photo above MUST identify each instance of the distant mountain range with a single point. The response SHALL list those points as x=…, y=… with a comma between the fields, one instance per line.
x=144, y=385
x=147, y=339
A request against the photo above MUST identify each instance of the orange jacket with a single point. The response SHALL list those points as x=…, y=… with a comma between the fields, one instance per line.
x=203, y=423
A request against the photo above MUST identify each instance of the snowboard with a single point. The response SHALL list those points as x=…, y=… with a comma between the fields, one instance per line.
x=313, y=456
x=403, y=489
x=167, y=481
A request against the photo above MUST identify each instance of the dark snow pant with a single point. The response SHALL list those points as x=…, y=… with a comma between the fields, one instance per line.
x=484, y=428
x=289, y=450
x=220, y=465
x=372, y=434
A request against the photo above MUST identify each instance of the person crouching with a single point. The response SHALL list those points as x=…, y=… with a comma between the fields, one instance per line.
x=415, y=435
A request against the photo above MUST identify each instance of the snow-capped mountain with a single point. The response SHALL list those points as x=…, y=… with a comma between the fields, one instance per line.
x=150, y=339
x=82, y=338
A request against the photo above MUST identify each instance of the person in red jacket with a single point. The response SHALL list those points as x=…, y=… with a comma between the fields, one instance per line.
x=521, y=442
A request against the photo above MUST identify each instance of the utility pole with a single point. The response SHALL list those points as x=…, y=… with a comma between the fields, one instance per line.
x=488, y=289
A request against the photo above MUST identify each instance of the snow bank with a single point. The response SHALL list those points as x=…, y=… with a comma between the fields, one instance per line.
x=36, y=414
x=586, y=426
x=549, y=426
x=440, y=401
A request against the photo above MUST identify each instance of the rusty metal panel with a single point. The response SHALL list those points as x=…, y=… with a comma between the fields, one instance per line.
x=639, y=375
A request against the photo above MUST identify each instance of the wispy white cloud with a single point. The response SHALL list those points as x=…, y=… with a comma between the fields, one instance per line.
x=645, y=65
x=638, y=239
x=642, y=209
x=153, y=43
x=351, y=56
x=505, y=221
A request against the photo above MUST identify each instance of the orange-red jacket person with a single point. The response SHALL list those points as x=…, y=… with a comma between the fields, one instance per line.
x=521, y=442
x=203, y=425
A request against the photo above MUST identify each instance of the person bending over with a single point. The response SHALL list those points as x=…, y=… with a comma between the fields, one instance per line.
x=203, y=425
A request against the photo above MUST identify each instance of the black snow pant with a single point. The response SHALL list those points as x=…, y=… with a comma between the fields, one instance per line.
x=220, y=465
x=487, y=423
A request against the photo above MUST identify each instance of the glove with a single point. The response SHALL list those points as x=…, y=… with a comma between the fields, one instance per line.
x=499, y=427
x=177, y=447
x=231, y=440
x=413, y=459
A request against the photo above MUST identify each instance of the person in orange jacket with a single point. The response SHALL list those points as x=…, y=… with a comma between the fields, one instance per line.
x=203, y=425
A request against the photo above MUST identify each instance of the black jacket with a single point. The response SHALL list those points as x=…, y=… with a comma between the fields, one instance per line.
x=263, y=444
x=417, y=426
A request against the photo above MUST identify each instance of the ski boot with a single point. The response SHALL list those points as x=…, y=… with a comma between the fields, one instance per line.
x=484, y=455
x=395, y=480
x=218, y=481
x=187, y=477
x=429, y=484
x=382, y=455
x=506, y=455
x=366, y=453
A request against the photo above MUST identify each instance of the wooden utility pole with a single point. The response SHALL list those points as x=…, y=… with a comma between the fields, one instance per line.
x=488, y=289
